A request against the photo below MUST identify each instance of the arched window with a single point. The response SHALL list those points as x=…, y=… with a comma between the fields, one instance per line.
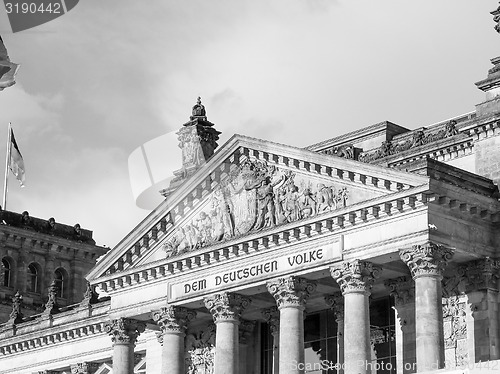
x=6, y=273
x=33, y=280
x=61, y=279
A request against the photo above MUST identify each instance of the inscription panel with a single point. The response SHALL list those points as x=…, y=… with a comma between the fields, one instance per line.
x=257, y=270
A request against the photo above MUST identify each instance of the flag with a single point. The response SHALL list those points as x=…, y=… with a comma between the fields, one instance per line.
x=16, y=162
x=8, y=70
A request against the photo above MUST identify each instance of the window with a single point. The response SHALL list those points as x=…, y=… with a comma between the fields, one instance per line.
x=33, y=280
x=60, y=280
x=6, y=273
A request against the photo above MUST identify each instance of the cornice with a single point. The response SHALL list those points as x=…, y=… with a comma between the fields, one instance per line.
x=483, y=127
x=357, y=135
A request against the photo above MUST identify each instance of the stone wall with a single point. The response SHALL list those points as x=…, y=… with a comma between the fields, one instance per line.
x=487, y=153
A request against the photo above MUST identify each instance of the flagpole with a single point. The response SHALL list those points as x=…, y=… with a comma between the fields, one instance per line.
x=7, y=159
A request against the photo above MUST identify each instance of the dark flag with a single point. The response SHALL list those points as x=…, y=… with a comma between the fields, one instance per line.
x=8, y=69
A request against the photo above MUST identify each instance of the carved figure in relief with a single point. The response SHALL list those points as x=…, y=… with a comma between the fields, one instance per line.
x=266, y=210
x=204, y=225
x=292, y=204
x=325, y=198
x=308, y=204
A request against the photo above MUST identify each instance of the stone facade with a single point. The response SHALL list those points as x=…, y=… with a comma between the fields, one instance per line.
x=373, y=252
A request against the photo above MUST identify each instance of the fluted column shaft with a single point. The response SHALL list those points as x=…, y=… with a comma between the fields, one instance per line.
x=355, y=279
x=427, y=263
x=291, y=294
x=173, y=322
x=226, y=309
x=124, y=333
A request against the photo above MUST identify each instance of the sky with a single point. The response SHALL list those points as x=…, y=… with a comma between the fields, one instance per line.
x=110, y=76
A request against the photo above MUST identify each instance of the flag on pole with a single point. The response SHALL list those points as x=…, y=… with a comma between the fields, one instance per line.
x=8, y=70
x=16, y=162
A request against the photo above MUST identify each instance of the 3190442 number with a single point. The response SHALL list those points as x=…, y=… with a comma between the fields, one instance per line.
x=24, y=8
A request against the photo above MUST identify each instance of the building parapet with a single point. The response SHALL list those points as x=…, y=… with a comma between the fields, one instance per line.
x=38, y=331
x=49, y=227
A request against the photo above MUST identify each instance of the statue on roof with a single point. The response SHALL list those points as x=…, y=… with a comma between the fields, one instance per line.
x=496, y=19
x=199, y=109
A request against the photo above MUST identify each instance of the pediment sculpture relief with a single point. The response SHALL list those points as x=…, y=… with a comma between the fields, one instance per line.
x=255, y=196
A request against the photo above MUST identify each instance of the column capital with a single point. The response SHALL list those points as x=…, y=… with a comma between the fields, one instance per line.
x=336, y=303
x=124, y=330
x=84, y=368
x=245, y=330
x=426, y=259
x=402, y=289
x=272, y=317
x=173, y=319
x=226, y=306
x=355, y=276
x=291, y=291
x=481, y=274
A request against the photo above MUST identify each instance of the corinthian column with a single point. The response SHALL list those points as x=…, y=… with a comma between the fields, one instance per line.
x=427, y=263
x=124, y=333
x=226, y=309
x=336, y=302
x=272, y=317
x=403, y=291
x=291, y=294
x=173, y=321
x=356, y=279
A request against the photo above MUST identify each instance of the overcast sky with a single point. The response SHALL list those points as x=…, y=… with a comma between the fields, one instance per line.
x=111, y=75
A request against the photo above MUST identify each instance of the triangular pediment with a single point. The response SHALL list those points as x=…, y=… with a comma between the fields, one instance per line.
x=250, y=185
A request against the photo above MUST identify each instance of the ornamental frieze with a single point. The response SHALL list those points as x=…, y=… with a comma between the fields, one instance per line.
x=455, y=331
x=256, y=195
x=200, y=351
x=418, y=139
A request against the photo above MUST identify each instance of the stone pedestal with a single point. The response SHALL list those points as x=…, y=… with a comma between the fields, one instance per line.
x=403, y=291
x=173, y=322
x=291, y=294
x=226, y=309
x=355, y=279
x=336, y=302
x=272, y=317
x=427, y=263
x=124, y=333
